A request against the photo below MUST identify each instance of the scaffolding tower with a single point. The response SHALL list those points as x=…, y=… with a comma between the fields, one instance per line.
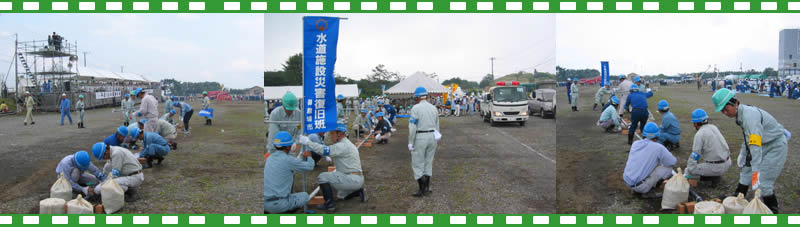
x=45, y=68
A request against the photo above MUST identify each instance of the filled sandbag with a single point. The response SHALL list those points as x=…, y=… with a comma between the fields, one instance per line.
x=676, y=191
x=734, y=205
x=756, y=206
x=61, y=189
x=79, y=206
x=52, y=206
x=112, y=195
x=709, y=207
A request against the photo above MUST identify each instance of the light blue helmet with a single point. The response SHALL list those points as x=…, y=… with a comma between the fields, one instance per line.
x=135, y=133
x=122, y=131
x=283, y=139
x=143, y=121
x=173, y=98
x=663, y=105
x=341, y=127
x=339, y=97
x=614, y=100
x=420, y=91
x=82, y=160
x=637, y=79
x=379, y=114
x=99, y=150
x=172, y=112
x=650, y=130
x=176, y=104
x=699, y=115
x=127, y=95
x=363, y=111
x=634, y=87
x=371, y=107
x=137, y=91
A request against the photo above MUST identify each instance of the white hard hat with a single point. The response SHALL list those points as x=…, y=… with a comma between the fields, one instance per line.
x=27, y=93
x=63, y=94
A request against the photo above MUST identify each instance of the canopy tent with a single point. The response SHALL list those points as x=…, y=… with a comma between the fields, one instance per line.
x=277, y=92
x=96, y=74
x=406, y=87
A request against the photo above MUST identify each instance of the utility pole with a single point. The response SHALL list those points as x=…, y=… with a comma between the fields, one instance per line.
x=16, y=66
x=84, y=58
x=122, y=68
x=492, y=59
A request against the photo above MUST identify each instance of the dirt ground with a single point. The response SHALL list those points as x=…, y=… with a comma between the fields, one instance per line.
x=213, y=171
x=591, y=162
x=477, y=169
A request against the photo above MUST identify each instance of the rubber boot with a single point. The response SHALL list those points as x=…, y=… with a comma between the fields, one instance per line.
x=630, y=137
x=421, y=192
x=327, y=193
x=160, y=159
x=741, y=189
x=713, y=180
x=149, y=163
x=594, y=107
x=209, y=121
x=360, y=193
x=771, y=202
x=131, y=195
x=427, y=184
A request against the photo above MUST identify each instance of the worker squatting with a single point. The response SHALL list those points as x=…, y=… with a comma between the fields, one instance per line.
x=650, y=162
x=348, y=179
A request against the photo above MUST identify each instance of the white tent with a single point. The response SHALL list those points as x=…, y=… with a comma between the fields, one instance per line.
x=277, y=92
x=96, y=74
x=407, y=86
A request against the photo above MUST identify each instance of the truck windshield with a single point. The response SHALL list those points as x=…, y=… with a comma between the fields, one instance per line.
x=509, y=94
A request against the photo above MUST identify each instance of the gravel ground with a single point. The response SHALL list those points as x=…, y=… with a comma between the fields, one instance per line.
x=477, y=169
x=211, y=172
x=591, y=162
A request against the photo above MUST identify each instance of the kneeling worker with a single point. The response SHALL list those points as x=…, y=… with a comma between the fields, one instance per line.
x=153, y=147
x=384, y=129
x=649, y=163
x=710, y=145
x=347, y=179
x=609, y=120
x=670, y=129
x=122, y=165
x=279, y=170
x=80, y=172
x=118, y=137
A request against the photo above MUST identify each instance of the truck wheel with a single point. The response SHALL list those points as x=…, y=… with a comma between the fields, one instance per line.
x=485, y=118
x=541, y=113
x=521, y=123
x=491, y=122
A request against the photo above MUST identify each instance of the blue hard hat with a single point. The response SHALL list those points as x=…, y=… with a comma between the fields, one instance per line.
x=137, y=91
x=650, y=130
x=172, y=111
x=127, y=95
x=82, y=160
x=283, y=139
x=339, y=97
x=99, y=150
x=341, y=127
x=380, y=102
x=663, y=105
x=634, y=87
x=173, y=97
x=176, y=104
x=699, y=115
x=420, y=91
x=135, y=133
x=614, y=100
x=364, y=111
x=637, y=79
x=143, y=121
x=123, y=131
x=379, y=114
x=371, y=107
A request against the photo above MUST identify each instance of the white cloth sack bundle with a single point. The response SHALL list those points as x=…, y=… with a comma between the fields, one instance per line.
x=436, y=135
x=52, y=206
x=756, y=206
x=709, y=207
x=675, y=192
x=734, y=205
x=112, y=195
x=61, y=189
x=79, y=206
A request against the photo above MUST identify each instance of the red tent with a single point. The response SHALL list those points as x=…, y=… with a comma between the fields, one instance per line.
x=591, y=81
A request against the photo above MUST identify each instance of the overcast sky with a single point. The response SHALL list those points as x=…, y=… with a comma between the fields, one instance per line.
x=448, y=44
x=670, y=43
x=225, y=48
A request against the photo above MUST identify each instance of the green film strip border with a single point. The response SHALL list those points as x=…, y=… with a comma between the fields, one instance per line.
x=399, y=6
x=460, y=220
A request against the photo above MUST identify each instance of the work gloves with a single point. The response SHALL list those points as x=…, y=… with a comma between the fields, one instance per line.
x=303, y=140
x=411, y=147
x=756, y=182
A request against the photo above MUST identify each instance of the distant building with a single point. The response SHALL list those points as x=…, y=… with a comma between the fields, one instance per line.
x=256, y=91
x=789, y=52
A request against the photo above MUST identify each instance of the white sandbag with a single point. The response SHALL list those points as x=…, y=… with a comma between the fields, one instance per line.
x=676, y=191
x=112, y=195
x=79, y=206
x=61, y=189
x=709, y=207
x=52, y=206
x=734, y=205
x=756, y=206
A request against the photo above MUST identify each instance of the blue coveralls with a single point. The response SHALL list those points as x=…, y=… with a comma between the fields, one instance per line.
x=639, y=113
x=390, y=112
x=279, y=172
x=78, y=178
x=670, y=129
x=569, y=93
x=65, y=110
x=154, y=145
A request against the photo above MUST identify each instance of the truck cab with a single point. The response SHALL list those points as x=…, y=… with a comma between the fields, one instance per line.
x=505, y=102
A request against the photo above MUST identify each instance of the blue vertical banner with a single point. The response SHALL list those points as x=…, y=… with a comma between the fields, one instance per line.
x=320, y=38
x=383, y=88
x=604, y=73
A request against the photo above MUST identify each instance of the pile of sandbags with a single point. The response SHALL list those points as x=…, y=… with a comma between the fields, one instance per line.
x=756, y=206
x=79, y=206
x=52, y=206
x=61, y=189
x=734, y=205
x=676, y=191
x=112, y=195
x=709, y=207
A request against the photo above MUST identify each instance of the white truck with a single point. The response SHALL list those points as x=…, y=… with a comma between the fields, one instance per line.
x=506, y=102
